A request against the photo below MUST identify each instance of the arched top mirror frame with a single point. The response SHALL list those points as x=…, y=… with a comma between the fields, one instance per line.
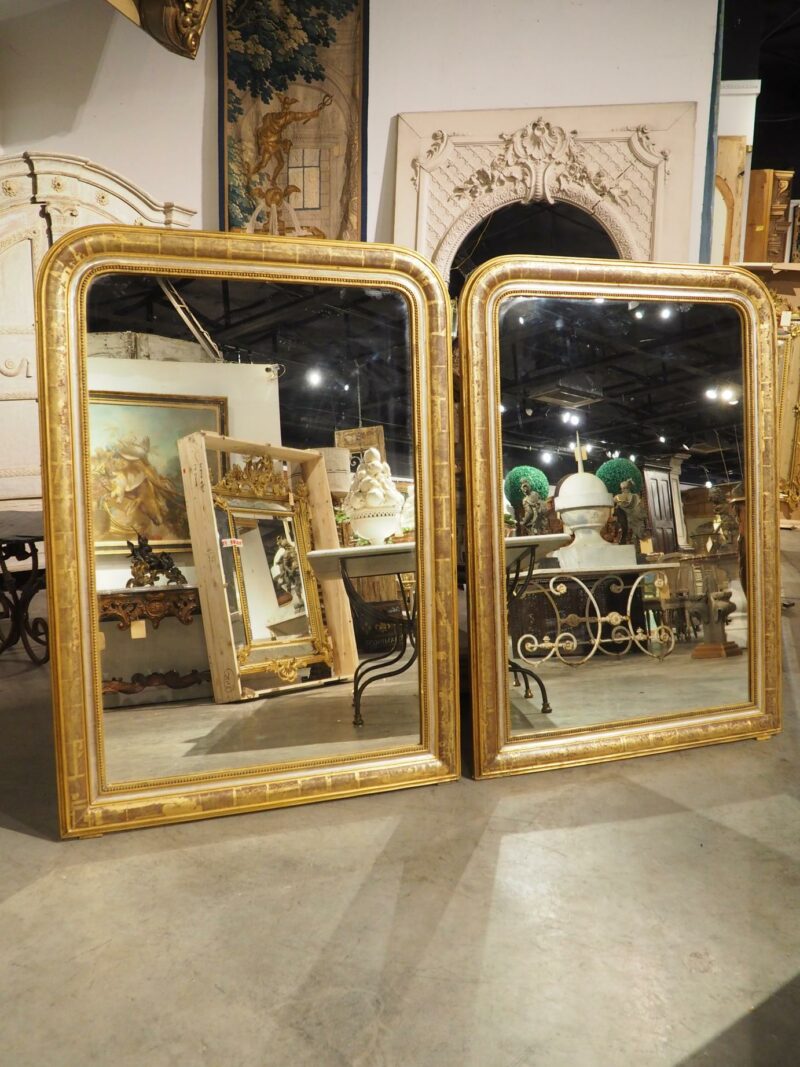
x=497, y=750
x=89, y=802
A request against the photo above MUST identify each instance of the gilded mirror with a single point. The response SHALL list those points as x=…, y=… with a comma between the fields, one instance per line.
x=621, y=488
x=335, y=587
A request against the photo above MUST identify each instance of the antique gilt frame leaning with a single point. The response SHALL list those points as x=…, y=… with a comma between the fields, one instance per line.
x=496, y=752
x=260, y=479
x=89, y=803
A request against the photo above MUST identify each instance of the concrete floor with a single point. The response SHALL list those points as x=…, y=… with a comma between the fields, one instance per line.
x=638, y=913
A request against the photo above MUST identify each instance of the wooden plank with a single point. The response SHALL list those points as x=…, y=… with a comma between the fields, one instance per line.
x=731, y=160
x=325, y=535
x=217, y=443
x=758, y=205
x=206, y=551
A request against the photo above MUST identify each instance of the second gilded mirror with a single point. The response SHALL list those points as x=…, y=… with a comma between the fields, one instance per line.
x=619, y=442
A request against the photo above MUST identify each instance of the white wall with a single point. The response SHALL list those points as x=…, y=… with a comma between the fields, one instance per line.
x=77, y=77
x=451, y=55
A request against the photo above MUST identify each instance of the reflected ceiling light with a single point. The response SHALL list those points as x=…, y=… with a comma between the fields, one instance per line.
x=575, y=420
x=665, y=313
x=709, y=485
x=314, y=377
x=565, y=416
x=528, y=410
x=546, y=457
x=712, y=394
x=599, y=300
x=615, y=454
x=521, y=321
x=588, y=448
x=346, y=387
x=662, y=439
x=686, y=447
x=559, y=324
x=632, y=458
x=638, y=313
x=727, y=393
x=733, y=402
x=502, y=409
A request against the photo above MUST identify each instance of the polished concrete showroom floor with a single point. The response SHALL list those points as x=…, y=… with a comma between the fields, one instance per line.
x=636, y=913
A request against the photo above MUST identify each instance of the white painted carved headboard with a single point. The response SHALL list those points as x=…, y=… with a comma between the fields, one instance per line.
x=42, y=197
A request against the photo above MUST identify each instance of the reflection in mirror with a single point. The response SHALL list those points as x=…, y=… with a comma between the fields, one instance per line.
x=281, y=364
x=623, y=445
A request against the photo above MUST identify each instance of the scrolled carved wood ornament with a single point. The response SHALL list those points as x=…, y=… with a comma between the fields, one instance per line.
x=175, y=24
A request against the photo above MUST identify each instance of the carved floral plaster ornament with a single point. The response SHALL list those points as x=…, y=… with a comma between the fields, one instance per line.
x=539, y=160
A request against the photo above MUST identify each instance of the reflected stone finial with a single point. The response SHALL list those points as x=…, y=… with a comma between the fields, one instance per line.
x=579, y=452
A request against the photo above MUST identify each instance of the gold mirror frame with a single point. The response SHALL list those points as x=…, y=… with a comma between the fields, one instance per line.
x=317, y=636
x=88, y=803
x=496, y=752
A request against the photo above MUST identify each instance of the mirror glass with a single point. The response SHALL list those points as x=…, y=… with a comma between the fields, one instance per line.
x=302, y=366
x=623, y=452
x=272, y=609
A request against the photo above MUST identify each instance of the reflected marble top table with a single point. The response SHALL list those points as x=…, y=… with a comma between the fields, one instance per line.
x=371, y=561
x=534, y=544
x=364, y=561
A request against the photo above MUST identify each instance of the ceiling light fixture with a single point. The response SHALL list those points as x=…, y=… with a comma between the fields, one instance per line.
x=314, y=377
x=546, y=457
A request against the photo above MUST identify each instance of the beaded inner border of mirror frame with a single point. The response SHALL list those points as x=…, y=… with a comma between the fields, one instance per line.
x=496, y=751
x=88, y=804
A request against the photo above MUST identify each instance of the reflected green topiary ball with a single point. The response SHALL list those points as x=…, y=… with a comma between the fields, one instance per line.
x=615, y=471
x=514, y=478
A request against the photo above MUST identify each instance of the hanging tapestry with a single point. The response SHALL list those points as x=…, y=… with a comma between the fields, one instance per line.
x=292, y=117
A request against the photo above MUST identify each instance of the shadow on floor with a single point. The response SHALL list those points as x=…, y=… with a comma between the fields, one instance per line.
x=768, y=1037
x=28, y=799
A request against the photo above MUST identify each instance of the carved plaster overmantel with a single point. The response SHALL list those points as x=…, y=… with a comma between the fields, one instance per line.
x=630, y=166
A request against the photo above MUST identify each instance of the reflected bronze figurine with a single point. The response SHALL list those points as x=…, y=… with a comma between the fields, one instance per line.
x=148, y=566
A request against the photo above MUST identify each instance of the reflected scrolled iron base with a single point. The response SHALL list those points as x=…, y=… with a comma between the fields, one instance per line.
x=620, y=634
x=17, y=590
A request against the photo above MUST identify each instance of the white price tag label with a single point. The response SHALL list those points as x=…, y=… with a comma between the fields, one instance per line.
x=231, y=542
x=786, y=319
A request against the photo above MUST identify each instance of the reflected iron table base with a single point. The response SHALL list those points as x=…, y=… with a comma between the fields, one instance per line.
x=17, y=590
x=401, y=622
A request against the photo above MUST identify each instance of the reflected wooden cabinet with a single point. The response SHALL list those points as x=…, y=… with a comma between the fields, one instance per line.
x=767, y=215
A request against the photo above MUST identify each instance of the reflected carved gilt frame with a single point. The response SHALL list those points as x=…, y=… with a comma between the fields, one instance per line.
x=260, y=480
x=496, y=752
x=88, y=803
